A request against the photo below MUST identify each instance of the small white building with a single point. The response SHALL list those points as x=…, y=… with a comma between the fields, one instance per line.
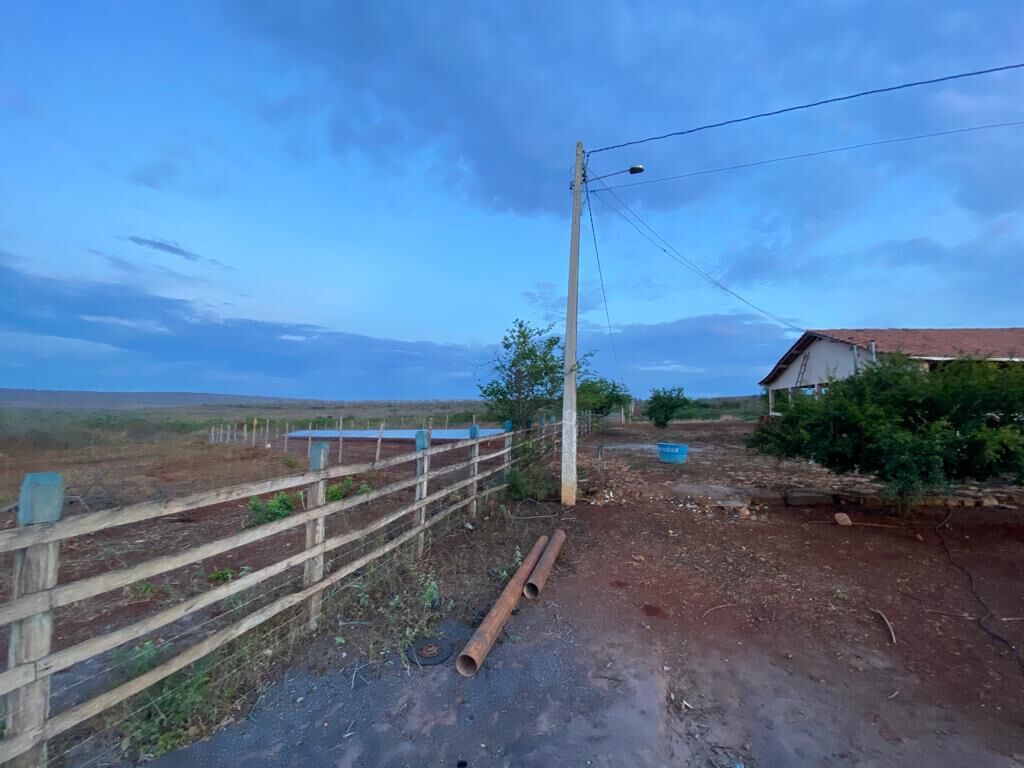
x=818, y=357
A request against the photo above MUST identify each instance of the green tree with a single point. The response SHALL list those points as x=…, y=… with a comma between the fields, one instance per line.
x=664, y=404
x=601, y=396
x=911, y=428
x=528, y=373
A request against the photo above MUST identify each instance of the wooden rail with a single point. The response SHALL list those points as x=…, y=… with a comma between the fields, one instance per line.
x=36, y=595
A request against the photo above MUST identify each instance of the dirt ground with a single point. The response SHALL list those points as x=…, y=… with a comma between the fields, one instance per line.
x=684, y=626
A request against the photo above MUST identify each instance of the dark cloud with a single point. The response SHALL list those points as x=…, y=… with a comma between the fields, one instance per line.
x=981, y=270
x=164, y=245
x=140, y=270
x=706, y=355
x=142, y=340
x=500, y=92
x=169, y=246
x=88, y=335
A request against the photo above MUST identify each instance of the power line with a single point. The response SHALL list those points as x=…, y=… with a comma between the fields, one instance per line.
x=810, y=105
x=604, y=294
x=669, y=250
x=818, y=153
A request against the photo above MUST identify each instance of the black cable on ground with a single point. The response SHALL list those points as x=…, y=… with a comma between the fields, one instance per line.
x=974, y=591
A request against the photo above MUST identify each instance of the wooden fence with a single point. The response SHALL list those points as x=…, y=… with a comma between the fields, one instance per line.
x=36, y=593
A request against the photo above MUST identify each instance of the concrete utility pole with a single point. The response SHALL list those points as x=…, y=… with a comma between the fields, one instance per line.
x=571, y=310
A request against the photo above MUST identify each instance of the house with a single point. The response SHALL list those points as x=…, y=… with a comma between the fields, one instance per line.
x=820, y=356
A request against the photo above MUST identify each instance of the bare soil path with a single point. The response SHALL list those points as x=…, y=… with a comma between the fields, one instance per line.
x=678, y=630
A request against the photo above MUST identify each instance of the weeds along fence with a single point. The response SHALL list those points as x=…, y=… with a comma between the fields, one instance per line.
x=295, y=557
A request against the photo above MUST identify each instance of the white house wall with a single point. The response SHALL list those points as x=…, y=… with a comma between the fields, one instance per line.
x=826, y=360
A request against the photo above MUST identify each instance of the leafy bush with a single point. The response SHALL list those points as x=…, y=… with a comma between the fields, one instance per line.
x=911, y=428
x=364, y=488
x=531, y=482
x=262, y=512
x=664, y=405
x=338, y=491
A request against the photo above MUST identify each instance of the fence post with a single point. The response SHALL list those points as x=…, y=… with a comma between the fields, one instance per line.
x=422, y=470
x=314, y=568
x=474, y=468
x=287, y=429
x=508, y=449
x=309, y=441
x=35, y=570
x=380, y=436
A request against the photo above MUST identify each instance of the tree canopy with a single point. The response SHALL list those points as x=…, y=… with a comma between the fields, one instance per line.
x=528, y=374
x=665, y=404
x=601, y=396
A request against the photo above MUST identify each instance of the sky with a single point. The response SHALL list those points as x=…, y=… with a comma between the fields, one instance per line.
x=355, y=200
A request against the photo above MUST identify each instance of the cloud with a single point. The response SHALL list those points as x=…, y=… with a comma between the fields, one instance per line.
x=157, y=174
x=721, y=354
x=547, y=298
x=497, y=94
x=148, y=326
x=169, y=246
x=143, y=341
x=164, y=245
x=156, y=342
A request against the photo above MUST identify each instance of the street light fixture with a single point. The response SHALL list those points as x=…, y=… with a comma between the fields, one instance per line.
x=571, y=311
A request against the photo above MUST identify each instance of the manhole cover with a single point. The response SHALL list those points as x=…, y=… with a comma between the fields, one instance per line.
x=430, y=651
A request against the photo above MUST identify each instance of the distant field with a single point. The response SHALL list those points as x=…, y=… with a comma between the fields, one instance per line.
x=35, y=420
x=742, y=407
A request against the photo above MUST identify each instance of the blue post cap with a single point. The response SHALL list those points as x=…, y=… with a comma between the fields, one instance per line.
x=318, y=455
x=474, y=431
x=422, y=443
x=508, y=425
x=41, y=499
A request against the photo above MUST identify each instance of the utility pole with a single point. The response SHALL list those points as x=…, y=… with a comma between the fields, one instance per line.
x=571, y=310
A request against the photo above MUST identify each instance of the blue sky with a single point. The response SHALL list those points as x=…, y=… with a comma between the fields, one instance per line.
x=348, y=200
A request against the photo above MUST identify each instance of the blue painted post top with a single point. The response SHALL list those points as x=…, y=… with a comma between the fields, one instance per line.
x=41, y=499
x=552, y=418
x=474, y=432
x=318, y=455
x=422, y=443
x=508, y=425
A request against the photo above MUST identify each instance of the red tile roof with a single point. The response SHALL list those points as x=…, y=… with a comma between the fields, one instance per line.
x=935, y=342
x=1002, y=343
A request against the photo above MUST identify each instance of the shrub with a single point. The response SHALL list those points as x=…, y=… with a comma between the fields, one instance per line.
x=338, y=491
x=262, y=512
x=911, y=428
x=664, y=405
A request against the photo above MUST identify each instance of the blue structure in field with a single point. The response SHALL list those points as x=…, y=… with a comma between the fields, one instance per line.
x=392, y=434
x=673, y=453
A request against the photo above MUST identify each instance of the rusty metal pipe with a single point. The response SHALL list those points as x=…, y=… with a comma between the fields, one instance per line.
x=480, y=644
x=542, y=570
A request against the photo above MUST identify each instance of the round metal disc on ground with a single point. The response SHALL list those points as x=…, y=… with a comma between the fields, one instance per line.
x=432, y=650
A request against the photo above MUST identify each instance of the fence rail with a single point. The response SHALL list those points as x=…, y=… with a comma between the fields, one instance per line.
x=35, y=544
